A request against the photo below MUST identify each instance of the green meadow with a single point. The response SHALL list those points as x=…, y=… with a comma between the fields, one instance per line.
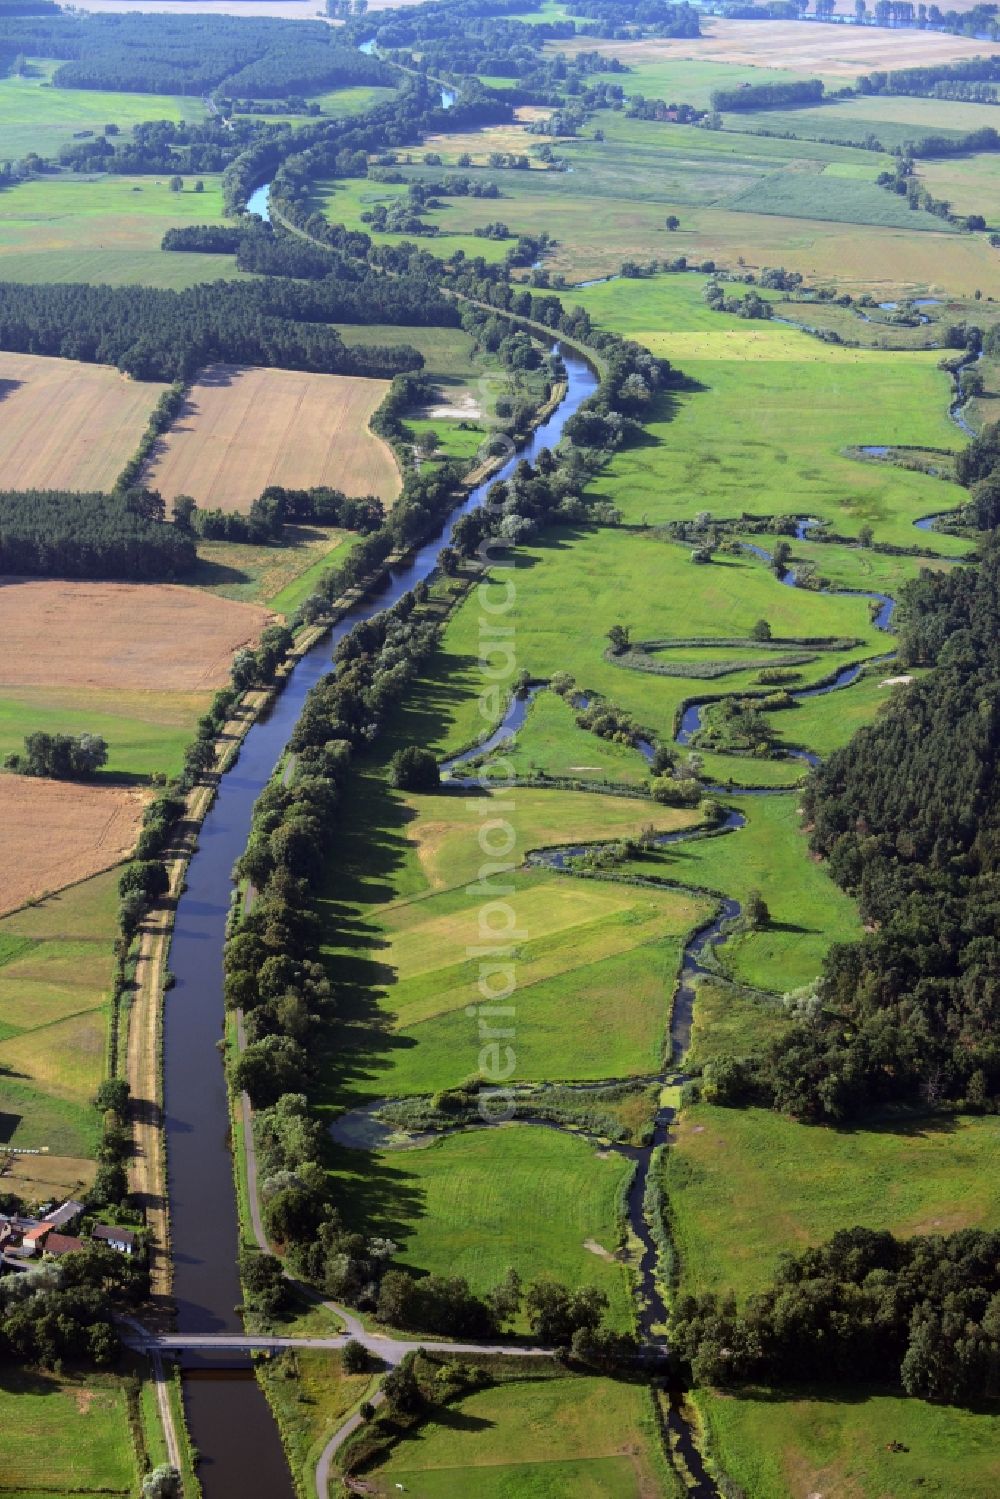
x=448, y=352
x=406, y=918
x=969, y=182
x=536, y=1439
x=334, y=104
x=551, y=744
x=56, y=968
x=65, y=1435
x=778, y=1445
x=686, y=80
x=572, y=585
x=104, y=228
x=770, y=854
x=344, y=202
x=146, y=732
x=771, y=200
x=746, y=1185
x=730, y=1020
x=36, y=116
x=476, y=1202
x=893, y=120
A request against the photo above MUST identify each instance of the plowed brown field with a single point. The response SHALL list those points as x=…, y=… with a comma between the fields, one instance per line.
x=159, y=637
x=65, y=425
x=242, y=429
x=56, y=833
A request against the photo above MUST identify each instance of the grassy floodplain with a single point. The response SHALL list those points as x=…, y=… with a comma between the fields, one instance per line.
x=63, y=1434
x=699, y=452
x=808, y=204
x=747, y=1184
x=521, y=1195
x=776, y=1447
x=570, y=588
x=765, y=423
x=36, y=116
x=413, y=907
x=808, y=912
x=573, y=586
x=594, y=1438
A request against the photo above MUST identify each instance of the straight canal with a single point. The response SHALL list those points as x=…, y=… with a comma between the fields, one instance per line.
x=230, y=1421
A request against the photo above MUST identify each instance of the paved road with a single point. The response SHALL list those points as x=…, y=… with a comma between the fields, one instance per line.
x=389, y=1350
x=336, y=1442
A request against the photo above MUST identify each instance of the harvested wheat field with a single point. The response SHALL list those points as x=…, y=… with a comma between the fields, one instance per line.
x=65, y=425
x=56, y=833
x=156, y=636
x=831, y=51
x=242, y=429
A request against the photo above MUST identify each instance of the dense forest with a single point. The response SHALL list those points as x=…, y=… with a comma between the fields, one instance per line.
x=649, y=17
x=52, y=533
x=908, y=816
x=865, y=1309
x=193, y=54
x=257, y=248
x=769, y=95
x=923, y=81
x=167, y=335
x=66, y=1310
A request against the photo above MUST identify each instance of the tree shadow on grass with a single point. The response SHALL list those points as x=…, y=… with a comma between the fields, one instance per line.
x=823, y=1394
x=431, y=706
x=209, y=574
x=910, y=1123
x=16, y=1379
x=370, y=849
x=453, y=1419
x=375, y=1194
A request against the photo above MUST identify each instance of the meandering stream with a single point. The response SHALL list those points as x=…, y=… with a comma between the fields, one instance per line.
x=230, y=1421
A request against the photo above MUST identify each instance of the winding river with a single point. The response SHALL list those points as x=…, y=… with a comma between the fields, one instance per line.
x=230, y=1421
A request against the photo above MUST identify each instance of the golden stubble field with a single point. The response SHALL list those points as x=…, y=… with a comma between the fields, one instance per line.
x=159, y=637
x=65, y=425
x=242, y=429
x=56, y=833
x=833, y=51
